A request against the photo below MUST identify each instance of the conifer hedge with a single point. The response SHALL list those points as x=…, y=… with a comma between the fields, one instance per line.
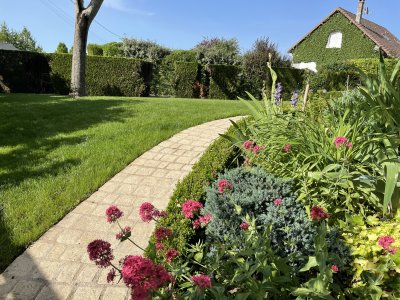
x=224, y=82
x=186, y=77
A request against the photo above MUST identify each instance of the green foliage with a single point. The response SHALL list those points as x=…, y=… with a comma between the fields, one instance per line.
x=113, y=49
x=355, y=44
x=337, y=76
x=193, y=186
x=218, y=51
x=94, y=49
x=375, y=271
x=187, y=80
x=25, y=72
x=254, y=191
x=61, y=48
x=104, y=76
x=224, y=82
x=22, y=40
x=144, y=50
x=164, y=80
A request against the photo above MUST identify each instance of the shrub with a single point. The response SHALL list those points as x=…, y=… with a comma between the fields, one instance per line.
x=218, y=51
x=104, y=75
x=224, y=82
x=271, y=201
x=94, y=49
x=113, y=49
x=25, y=72
x=187, y=79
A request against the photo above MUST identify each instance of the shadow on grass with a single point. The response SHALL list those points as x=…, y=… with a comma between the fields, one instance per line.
x=31, y=123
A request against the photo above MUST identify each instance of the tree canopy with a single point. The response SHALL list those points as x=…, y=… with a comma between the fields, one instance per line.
x=22, y=40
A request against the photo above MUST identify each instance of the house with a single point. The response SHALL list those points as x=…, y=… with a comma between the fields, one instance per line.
x=342, y=36
x=7, y=46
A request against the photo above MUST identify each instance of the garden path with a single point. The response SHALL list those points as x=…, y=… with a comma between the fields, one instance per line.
x=57, y=265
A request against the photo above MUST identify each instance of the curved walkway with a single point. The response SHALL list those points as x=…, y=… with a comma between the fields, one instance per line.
x=57, y=265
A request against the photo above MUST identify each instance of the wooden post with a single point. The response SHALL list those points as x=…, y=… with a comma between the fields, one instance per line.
x=306, y=95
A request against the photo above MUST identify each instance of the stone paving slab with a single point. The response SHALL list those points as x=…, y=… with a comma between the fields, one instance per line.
x=57, y=265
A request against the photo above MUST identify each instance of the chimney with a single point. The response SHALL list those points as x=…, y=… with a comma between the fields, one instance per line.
x=360, y=10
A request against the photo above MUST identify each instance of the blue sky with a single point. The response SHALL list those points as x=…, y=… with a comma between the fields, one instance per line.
x=182, y=24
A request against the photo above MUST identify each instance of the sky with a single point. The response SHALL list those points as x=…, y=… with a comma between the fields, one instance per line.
x=181, y=24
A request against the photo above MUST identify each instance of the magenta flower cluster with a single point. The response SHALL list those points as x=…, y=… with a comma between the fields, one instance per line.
x=224, y=185
x=342, y=141
x=252, y=146
x=386, y=242
x=148, y=212
x=113, y=214
x=202, y=281
x=190, y=209
x=100, y=252
x=318, y=213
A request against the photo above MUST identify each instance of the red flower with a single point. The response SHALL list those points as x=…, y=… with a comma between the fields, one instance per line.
x=196, y=224
x=202, y=221
x=143, y=276
x=318, y=213
x=171, y=254
x=148, y=212
x=248, y=145
x=278, y=201
x=113, y=213
x=224, y=185
x=385, y=242
x=244, y=226
x=256, y=149
x=111, y=276
x=190, y=208
x=125, y=233
x=202, y=281
x=287, y=148
x=335, y=268
x=162, y=233
x=101, y=253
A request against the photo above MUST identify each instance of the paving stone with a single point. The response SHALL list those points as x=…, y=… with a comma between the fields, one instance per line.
x=69, y=236
x=68, y=272
x=87, y=293
x=87, y=273
x=39, y=249
x=54, y=291
x=115, y=293
x=46, y=270
x=56, y=252
x=26, y=289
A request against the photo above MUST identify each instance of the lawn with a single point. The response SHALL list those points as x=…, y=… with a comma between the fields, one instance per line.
x=56, y=151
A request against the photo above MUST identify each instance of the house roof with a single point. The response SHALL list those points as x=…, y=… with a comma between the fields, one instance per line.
x=382, y=37
x=7, y=46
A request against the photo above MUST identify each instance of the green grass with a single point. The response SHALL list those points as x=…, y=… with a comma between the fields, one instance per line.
x=56, y=151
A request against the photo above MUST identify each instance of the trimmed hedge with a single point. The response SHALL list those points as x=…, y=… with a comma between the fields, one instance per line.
x=25, y=72
x=105, y=76
x=224, y=82
x=215, y=159
x=186, y=77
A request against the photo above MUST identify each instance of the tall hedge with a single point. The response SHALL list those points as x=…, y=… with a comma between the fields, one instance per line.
x=224, y=82
x=108, y=76
x=187, y=79
x=25, y=72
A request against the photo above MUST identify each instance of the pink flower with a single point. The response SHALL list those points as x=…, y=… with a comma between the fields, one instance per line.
x=113, y=213
x=385, y=242
x=101, y=253
x=318, y=213
x=246, y=162
x=190, y=208
x=143, y=275
x=202, y=221
x=148, y=212
x=244, y=226
x=171, y=254
x=341, y=140
x=202, y=281
x=124, y=233
x=111, y=276
x=224, y=185
x=256, y=149
x=335, y=268
x=248, y=145
x=162, y=233
x=160, y=246
x=287, y=148
x=278, y=201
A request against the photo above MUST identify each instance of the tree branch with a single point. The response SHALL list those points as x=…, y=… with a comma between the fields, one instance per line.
x=78, y=6
x=92, y=9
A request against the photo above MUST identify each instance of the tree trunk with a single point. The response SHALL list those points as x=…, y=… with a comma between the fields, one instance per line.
x=83, y=19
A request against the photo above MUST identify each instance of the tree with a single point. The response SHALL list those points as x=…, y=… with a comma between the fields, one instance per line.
x=255, y=64
x=94, y=49
x=22, y=40
x=83, y=18
x=145, y=50
x=218, y=51
x=62, y=48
